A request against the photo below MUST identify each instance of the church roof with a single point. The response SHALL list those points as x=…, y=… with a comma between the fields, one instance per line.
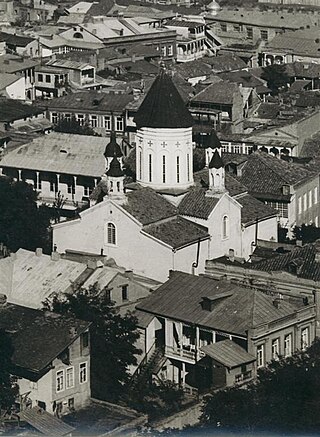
x=216, y=161
x=113, y=148
x=163, y=106
x=115, y=168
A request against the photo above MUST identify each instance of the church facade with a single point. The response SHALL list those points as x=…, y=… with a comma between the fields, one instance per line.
x=170, y=218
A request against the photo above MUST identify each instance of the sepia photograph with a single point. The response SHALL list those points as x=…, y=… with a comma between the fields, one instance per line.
x=159, y=218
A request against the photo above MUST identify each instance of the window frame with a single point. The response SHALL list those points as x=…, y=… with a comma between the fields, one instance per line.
x=67, y=382
x=111, y=234
x=62, y=376
x=288, y=340
x=85, y=364
x=225, y=227
x=260, y=356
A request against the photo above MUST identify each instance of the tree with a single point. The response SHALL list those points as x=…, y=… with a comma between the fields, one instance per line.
x=72, y=126
x=22, y=222
x=285, y=397
x=306, y=233
x=276, y=77
x=8, y=388
x=113, y=338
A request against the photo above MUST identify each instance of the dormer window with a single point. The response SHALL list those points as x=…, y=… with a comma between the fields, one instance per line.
x=286, y=190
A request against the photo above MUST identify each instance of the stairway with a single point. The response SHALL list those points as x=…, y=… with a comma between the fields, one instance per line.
x=147, y=368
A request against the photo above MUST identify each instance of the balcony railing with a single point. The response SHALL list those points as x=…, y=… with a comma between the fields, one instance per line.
x=183, y=352
x=242, y=377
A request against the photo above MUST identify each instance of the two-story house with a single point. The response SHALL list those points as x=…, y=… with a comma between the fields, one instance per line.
x=213, y=333
x=50, y=81
x=21, y=67
x=51, y=358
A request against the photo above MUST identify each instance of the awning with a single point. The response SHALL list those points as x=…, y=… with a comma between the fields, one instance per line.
x=228, y=353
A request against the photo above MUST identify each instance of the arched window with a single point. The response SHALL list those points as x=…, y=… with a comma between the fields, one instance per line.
x=188, y=167
x=140, y=163
x=163, y=169
x=178, y=169
x=150, y=167
x=225, y=227
x=111, y=233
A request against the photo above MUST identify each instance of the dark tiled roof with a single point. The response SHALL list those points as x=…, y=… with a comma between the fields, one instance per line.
x=268, y=110
x=180, y=298
x=266, y=175
x=115, y=168
x=184, y=23
x=233, y=186
x=163, y=106
x=16, y=40
x=243, y=77
x=220, y=93
x=177, y=232
x=303, y=69
x=113, y=148
x=38, y=337
x=252, y=209
x=91, y=100
x=193, y=69
x=148, y=207
x=303, y=257
x=216, y=161
x=228, y=353
x=197, y=204
x=225, y=62
x=11, y=110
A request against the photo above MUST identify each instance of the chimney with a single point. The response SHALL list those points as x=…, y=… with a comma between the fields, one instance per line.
x=55, y=256
x=299, y=243
x=3, y=300
x=38, y=251
x=231, y=255
x=129, y=274
x=92, y=264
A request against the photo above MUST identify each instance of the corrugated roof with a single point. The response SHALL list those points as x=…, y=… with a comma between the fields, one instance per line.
x=180, y=298
x=38, y=337
x=60, y=153
x=66, y=63
x=228, y=353
x=34, y=278
x=163, y=106
x=184, y=23
x=44, y=422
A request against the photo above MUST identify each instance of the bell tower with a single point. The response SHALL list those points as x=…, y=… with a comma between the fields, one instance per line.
x=216, y=175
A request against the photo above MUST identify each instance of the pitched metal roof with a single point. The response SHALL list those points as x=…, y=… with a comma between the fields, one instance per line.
x=163, y=106
x=228, y=353
x=44, y=422
x=115, y=168
x=46, y=334
x=180, y=298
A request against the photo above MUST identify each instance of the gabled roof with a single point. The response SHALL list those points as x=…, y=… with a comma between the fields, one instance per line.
x=38, y=337
x=197, y=204
x=163, y=106
x=180, y=298
x=228, y=353
x=253, y=210
x=221, y=92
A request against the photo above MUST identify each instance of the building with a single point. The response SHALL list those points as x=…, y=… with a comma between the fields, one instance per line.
x=12, y=86
x=56, y=375
x=20, y=45
x=165, y=213
x=79, y=73
x=50, y=81
x=17, y=115
x=103, y=112
x=214, y=333
x=21, y=67
x=290, y=188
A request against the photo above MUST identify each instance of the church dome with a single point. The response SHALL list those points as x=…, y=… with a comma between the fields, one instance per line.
x=113, y=148
x=115, y=169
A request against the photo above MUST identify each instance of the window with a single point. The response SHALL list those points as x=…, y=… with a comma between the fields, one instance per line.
x=67, y=117
x=225, y=227
x=188, y=167
x=223, y=27
x=163, y=51
x=150, y=168
x=52, y=186
x=111, y=233
x=304, y=338
x=316, y=221
x=140, y=164
x=170, y=51
x=282, y=208
x=70, y=188
x=71, y=404
x=119, y=123
x=87, y=190
x=288, y=345
x=70, y=377
x=236, y=27
x=310, y=198
x=40, y=77
x=107, y=122
x=275, y=349
x=108, y=294
x=54, y=117
x=83, y=374
x=260, y=356
x=59, y=381
x=305, y=206
x=163, y=169
x=48, y=78
x=249, y=32
x=124, y=291
x=315, y=195
x=85, y=340
x=264, y=35
x=94, y=121
x=80, y=119
x=178, y=169
x=299, y=205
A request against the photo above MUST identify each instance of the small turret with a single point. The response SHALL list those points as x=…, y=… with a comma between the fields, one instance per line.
x=216, y=175
x=212, y=143
x=115, y=179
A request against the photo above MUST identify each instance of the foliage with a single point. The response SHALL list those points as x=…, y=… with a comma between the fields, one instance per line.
x=22, y=222
x=8, y=388
x=199, y=159
x=113, y=338
x=72, y=126
x=276, y=77
x=156, y=400
x=57, y=206
x=306, y=233
x=285, y=397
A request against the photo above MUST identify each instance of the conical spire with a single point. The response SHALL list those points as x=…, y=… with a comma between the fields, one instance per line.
x=216, y=161
x=214, y=141
x=115, y=168
x=163, y=106
x=113, y=148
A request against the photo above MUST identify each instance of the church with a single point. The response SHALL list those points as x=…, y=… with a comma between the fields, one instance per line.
x=169, y=218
